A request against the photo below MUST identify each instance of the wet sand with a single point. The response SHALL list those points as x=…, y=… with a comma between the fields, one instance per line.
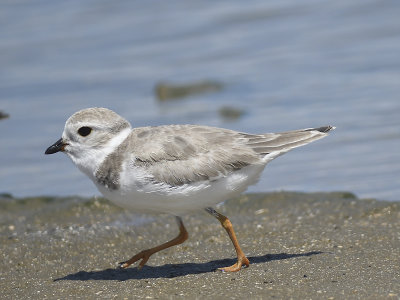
x=300, y=246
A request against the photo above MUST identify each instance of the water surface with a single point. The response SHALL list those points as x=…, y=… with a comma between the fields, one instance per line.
x=287, y=64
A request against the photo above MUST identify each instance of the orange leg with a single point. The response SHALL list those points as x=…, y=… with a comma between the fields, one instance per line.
x=242, y=259
x=145, y=254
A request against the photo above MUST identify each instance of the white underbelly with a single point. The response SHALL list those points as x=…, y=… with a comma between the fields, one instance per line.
x=161, y=198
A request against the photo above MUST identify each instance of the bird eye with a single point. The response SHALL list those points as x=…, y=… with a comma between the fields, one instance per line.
x=84, y=131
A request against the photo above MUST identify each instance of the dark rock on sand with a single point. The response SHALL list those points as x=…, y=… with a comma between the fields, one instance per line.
x=230, y=113
x=3, y=115
x=167, y=91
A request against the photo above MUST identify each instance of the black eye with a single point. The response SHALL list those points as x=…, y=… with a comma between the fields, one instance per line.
x=84, y=131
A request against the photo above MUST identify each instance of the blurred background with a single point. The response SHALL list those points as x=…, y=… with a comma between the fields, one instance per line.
x=252, y=66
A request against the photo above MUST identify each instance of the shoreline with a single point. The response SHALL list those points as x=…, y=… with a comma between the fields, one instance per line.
x=300, y=245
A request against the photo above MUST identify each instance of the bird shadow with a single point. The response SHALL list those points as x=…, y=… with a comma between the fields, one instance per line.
x=173, y=270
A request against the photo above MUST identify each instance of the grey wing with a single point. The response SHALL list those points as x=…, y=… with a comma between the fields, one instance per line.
x=179, y=154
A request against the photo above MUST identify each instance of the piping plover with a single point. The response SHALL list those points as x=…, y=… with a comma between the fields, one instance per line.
x=172, y=169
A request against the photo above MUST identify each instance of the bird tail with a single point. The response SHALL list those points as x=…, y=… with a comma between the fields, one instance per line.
x=272, y=145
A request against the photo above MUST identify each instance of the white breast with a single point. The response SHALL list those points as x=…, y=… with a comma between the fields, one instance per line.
x=139, y=193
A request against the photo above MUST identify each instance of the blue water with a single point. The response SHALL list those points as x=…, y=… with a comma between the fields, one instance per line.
x=287, y=64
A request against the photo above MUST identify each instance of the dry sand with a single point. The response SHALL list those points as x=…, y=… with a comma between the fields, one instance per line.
x=300, y=246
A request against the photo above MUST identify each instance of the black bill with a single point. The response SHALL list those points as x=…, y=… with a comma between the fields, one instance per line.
x=56, y=147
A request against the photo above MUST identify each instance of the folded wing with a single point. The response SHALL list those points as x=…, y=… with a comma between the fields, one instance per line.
x=181, y=154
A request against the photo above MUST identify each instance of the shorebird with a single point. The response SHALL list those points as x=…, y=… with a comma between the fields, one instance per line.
x=172, y=169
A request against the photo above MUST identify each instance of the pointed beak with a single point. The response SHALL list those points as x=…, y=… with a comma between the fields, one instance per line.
x=56, y=147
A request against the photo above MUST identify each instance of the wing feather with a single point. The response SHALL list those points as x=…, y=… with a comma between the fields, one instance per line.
x=180, y=154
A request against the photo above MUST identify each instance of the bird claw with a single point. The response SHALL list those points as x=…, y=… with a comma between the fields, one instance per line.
x=121, y=265
x=143, y=256
x=242, y=262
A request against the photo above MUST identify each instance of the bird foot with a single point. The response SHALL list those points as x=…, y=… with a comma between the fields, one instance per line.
x=242, y=261
x=143, y=256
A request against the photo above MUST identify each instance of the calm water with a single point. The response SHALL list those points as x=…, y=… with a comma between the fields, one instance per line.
x=288, y=64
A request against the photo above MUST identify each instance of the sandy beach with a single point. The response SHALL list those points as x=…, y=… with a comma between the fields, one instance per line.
x=300, y=246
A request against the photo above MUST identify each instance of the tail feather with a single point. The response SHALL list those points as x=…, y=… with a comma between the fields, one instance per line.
x=271, y=145
x=323, y=129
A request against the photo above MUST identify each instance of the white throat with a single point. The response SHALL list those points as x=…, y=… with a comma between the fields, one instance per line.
x=90, y=161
